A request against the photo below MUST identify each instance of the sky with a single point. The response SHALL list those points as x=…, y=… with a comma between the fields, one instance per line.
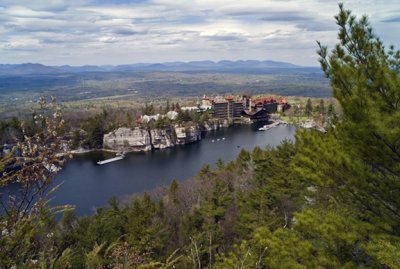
x=112, y=32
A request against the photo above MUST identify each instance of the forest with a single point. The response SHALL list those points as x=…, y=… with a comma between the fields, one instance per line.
x=325, y=200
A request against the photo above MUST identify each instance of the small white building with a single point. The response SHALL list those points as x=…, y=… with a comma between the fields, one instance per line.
x=205, y=107
x=206, y=101
x=147, y=118
x=190, y=108
x=172, y=115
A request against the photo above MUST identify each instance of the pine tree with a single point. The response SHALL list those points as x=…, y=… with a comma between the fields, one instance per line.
x=309, y=108
x=274, y=193
x=322, y=107
x=177, y=107
x=129, y=120
x=365, y=80
x=356, y=166
x=167, y=107
x=243, y=160
x=331, y=110
x=173, y=193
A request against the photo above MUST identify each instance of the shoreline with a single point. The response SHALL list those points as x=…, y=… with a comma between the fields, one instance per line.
x=274, y=124
x=84, y=151
x=78, y=152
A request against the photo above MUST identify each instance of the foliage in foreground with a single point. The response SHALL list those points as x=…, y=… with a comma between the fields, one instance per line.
x=328, y=201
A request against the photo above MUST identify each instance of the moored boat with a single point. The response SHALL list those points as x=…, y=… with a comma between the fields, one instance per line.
x=264, y=128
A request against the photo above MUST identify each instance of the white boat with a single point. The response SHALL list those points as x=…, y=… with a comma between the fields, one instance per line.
x=213, y=140
x=218, y=139
x=269, y=126
x=120, y=157
x=264, y=128
x=223, y=138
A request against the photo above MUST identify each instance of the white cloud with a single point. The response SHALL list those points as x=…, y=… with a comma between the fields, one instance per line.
x=83, y=32
x=22, y=44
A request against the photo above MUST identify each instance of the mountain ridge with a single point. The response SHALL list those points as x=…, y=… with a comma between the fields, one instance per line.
x=178, y=66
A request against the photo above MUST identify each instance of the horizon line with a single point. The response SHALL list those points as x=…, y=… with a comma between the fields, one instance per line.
x=166, y=62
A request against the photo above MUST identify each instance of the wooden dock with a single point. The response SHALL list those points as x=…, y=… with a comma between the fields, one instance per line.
x=111, y=160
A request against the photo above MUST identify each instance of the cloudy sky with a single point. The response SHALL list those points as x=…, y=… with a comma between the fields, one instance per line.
x=79, y=32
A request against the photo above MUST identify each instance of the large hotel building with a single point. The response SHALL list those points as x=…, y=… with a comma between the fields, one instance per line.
x=231, y=107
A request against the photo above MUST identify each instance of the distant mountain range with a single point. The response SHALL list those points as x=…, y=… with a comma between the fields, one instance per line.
x=225, y=66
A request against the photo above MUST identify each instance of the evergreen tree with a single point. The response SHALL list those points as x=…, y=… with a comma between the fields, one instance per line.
x=177, y=107
x=167, y=107
x=243, y=160
x=322, y=107
x=95, y=128
x=356, y=166
x=129, y=120
x=173, y=193
x=331, y=110
x=148, y=109
x=366, y=82
x=76, y=139
x=274, y=193
x=309, y=108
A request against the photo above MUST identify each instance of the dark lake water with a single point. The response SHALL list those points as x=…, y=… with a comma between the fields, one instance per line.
x=88, y=185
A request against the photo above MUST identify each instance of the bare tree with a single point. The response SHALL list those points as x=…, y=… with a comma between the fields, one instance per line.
x=27, y=172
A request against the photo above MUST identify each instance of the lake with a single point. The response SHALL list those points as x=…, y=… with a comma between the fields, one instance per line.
x=88, y=185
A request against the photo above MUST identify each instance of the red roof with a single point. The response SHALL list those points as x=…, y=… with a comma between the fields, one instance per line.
x=264, y=100
x=205, y=97
x=282, y=100
x=229, y=97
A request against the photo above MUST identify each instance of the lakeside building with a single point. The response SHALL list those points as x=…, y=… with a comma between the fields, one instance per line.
x=254, y=109
x=227, y=107
x=231, y=108
x=172, y=115
x=283, y=104
x=190, y=108
x=206, y=101
x=270, y=104
x=205, y=105
x=255, y=115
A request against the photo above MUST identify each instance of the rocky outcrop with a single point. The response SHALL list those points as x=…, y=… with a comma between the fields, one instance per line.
x=216, y=124
x=126, y=139
x=208, y=127
x=162, y=138
x=186, y=135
